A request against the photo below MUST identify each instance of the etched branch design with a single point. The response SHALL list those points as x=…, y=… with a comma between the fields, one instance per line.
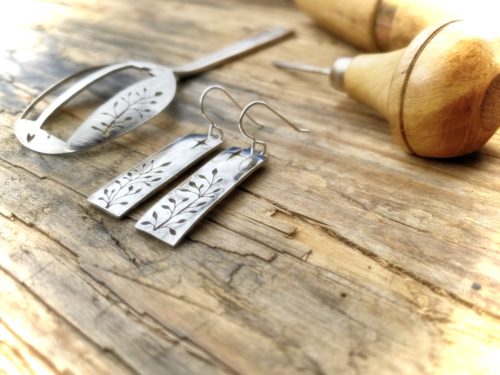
x=130, y=184
x=135, y=103
x=199, y=195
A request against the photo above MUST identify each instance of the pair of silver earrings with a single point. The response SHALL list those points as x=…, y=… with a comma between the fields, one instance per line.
x=171, y=218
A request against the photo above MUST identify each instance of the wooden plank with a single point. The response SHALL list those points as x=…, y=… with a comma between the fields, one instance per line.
x=338, y=257
x=51, y=347
x=225, y=303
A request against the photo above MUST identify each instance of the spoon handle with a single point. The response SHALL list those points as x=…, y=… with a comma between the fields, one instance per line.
x=232, y=51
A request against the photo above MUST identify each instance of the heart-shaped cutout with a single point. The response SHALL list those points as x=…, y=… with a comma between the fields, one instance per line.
x=30, y=137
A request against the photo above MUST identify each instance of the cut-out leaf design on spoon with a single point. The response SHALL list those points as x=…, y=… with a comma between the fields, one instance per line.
x=125, y=111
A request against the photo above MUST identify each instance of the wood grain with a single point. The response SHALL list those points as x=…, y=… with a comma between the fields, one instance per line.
x=344, y=255
x=353, y=21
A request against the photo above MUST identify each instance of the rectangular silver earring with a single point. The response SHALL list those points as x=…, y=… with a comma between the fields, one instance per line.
x=135, y=185
x=177, y=212
x=171, y=218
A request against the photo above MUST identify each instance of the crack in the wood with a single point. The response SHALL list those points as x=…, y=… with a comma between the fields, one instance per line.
x=158, y=290
x=394, y=268
x=368, y=209
x=249, y=256
x=32, y=225
x=121, y=249
x=24, y=169
x=245, y=255
x=401, y=222
x=37, y=272
x=306, y=253
x=287, y=234
x=46, y=177
x=233, y=273
x=237, y=304
x=181, y=337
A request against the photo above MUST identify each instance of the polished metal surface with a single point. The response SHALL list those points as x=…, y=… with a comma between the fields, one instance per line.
x=336, y=73
x=135, y=185
x=233, y=51
x=32, y=135
x=307, y=68
x=131, y=107
x=171, y=218
x=124, y=112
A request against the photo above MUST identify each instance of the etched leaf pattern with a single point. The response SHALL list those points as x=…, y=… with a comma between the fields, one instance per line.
x=134, y=104
x=199, y=191
x=131, y=183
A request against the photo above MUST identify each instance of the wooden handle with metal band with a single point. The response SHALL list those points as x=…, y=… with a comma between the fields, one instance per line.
x=387, y=25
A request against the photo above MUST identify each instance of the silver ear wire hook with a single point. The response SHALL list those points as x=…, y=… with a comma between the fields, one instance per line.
x=213, y=125
x=254, y=140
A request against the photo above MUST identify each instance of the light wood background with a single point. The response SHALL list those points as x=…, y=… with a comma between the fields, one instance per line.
x=344, y=255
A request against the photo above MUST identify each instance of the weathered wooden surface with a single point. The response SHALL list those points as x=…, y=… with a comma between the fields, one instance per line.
x=343, y=256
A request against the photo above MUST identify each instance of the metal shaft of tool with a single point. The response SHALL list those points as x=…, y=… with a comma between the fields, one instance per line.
x=233, y=51
x=336, y=73
x=301, y=67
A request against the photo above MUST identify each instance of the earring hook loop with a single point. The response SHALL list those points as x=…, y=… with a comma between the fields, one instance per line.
x=213, y=125
x=254, y=140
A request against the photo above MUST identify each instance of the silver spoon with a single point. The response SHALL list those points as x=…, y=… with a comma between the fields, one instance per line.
x=131, y=107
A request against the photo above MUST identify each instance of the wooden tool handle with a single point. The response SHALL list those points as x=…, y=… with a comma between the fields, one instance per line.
x=398, y=22
x=351, y=20
x=441, y=95
x=385, y=24
x=368, y=78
